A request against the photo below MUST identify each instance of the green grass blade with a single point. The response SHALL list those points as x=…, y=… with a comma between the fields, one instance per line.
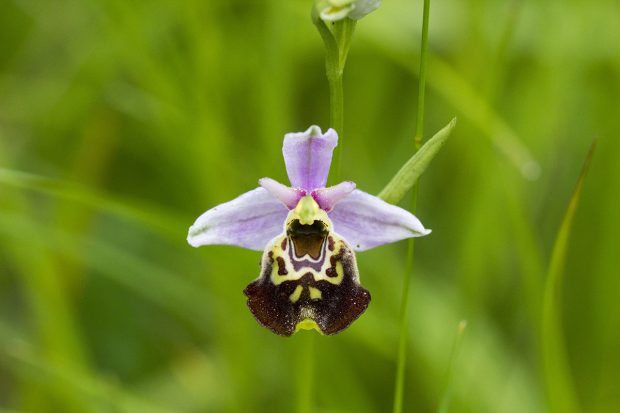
x=456, y=348
x=158, y=285
x=148, y=215
x=25, y=361
x=411, y=171
x=560, y=389
x=460, y=93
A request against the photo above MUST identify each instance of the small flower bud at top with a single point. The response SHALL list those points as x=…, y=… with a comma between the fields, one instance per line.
x=334, y=10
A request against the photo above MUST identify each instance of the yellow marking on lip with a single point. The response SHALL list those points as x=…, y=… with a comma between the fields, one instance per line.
x=307, y=324
x=276, y=251
x=315, y=293
x=296, y=294
x=277, y=279
x=337, y=280
x=292, y=275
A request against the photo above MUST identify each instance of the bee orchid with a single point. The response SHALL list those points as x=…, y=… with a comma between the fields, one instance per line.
x=309, y=235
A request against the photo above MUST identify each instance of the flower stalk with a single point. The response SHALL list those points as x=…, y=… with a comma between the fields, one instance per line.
x=419, y=132
x=305, y=381
x=336, y=37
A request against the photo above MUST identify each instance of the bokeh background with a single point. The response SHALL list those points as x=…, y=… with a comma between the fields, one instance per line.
x=121, y=121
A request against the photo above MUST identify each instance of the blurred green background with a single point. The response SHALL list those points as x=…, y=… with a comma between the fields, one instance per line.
x=121, y=121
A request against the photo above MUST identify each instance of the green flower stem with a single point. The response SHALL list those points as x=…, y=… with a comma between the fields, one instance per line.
x=306, y=373
x=337, y=40
x=336, y=117
x=418, y=139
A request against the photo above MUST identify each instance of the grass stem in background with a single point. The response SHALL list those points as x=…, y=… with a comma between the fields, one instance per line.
x=418, y=139
x=419, y=131
x=54, y=375
x=404, y=323
x=456, y=347
x=561, y=395
x=151, y=216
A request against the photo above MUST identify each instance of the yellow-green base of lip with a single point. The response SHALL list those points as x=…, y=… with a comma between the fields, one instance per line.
x=307, y=324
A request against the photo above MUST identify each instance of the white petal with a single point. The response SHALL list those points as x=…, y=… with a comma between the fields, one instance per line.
x=366, y=221
x=249, y=221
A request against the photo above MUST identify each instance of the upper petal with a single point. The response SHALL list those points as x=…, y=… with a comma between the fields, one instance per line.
x=251, y=220
x=327, y=198
x=308, y=156
x=366, y=221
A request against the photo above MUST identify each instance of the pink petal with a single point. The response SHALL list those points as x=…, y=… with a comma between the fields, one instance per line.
x=249, y=221
x=327, y=198
x=288, y=196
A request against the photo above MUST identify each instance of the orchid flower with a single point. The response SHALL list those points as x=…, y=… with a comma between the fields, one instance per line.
x=309, y=276
x=334, y=10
